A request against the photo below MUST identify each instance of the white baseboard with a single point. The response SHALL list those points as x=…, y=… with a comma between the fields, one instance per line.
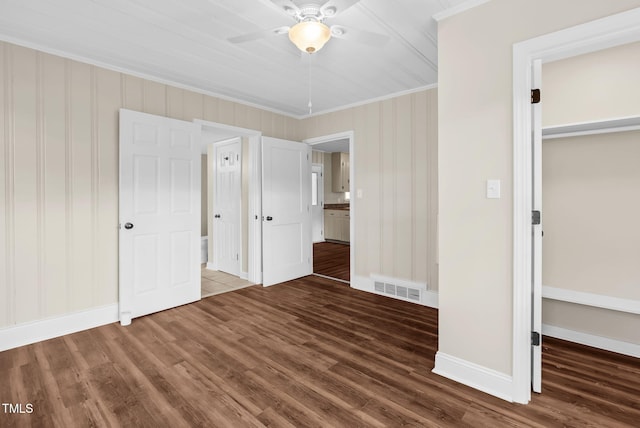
x=479, y=377
x=428, y=297
x=210, y=266
x=36, y=331
x=600, y=342
x=244, y=275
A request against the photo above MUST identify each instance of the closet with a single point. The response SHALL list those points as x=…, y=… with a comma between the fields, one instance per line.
x=591, y=199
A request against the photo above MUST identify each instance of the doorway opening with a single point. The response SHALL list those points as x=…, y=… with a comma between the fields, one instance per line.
x=586, y=270
x=333, y=251
x=604, y=33
x=227, y=190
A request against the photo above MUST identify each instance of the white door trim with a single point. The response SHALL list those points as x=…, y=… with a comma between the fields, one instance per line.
x=536, y=295
x=352, y=189
x=255, y=194
x=603, y=33
x=320, y=190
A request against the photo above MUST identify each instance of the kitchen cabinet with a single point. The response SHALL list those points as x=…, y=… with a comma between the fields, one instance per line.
x=336, y=225
x=339, y=172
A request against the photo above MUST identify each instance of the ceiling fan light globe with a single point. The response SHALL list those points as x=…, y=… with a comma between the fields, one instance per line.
x=309, y=36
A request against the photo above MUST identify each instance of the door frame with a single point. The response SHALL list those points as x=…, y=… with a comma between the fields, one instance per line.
x=254, y=265
x=596, y=35
x=352, y=189
x=212, y=192
x=320, y=198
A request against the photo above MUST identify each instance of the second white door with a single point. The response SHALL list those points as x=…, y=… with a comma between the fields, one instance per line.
x=227, y=205
x=286, y=209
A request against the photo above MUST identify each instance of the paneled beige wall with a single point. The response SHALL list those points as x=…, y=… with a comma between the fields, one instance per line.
x=317, y=157
x=59, y=175
x=475, y=53
x=395, y=161
x=591, y=191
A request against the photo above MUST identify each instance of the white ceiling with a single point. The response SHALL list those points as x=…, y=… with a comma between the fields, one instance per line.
x=185, y=42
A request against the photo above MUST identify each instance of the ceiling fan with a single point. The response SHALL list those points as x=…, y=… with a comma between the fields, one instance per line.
x=310, y=33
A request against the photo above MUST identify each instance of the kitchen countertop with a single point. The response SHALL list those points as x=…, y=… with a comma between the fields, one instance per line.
x=343, y=207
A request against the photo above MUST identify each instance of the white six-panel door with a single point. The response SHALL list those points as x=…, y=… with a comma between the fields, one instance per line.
x=226, y=206
x=159, y=236
x=286, y=210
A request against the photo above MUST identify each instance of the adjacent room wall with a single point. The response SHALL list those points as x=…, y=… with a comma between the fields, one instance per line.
x=395, y=159
x=59, y=175
x=475, y=144
x=591, y=191
x=330, y=197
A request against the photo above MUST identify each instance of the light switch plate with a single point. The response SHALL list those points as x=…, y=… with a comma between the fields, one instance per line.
x=493, y=189
x=359, y=193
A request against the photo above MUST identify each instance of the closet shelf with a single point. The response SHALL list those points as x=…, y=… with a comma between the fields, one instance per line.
x=631, y=123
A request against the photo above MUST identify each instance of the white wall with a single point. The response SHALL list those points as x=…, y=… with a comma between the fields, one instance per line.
x=475, y=144
x=599, y=85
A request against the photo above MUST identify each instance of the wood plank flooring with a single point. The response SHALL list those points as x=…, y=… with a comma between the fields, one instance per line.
x=307, y=353
x=332, y=260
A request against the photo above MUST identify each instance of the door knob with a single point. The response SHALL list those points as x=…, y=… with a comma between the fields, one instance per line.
x=269, y=218
x=128, y=226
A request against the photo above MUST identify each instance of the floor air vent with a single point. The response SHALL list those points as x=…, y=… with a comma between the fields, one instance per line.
x=379, y=287
x=405, y=291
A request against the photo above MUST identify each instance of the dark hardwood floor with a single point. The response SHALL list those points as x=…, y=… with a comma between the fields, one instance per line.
x=307, y=353
x=332, y=260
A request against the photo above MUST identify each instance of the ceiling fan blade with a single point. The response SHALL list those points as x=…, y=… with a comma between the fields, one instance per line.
x=334, y=7
x=258, y=35
x=287, y=6
x=360, y=36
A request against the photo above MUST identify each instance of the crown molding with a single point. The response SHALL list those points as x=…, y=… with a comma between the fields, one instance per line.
x=462, y=7
x=124, y=70
x=371, y=100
